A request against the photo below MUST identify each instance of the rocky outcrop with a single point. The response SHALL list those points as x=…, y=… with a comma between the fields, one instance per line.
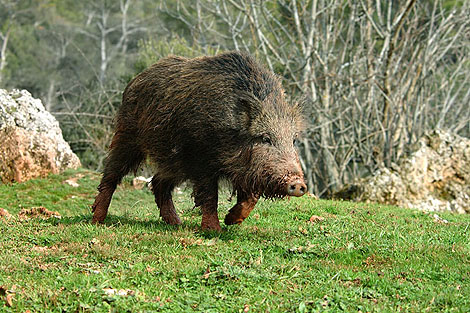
x=436, y=177
x=31, y=140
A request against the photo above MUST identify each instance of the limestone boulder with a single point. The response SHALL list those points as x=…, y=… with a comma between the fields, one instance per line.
x=31, y=142
x=436, y=177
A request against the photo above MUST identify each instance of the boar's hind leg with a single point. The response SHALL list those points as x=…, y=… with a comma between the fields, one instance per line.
x=124, y=156
x=205, y=196
x=162, y=190
x=241, y=210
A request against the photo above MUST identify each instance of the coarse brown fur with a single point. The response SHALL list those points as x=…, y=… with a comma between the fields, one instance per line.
x=203, y=120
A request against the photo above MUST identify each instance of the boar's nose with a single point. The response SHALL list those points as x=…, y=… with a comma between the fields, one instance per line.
x=296, y=188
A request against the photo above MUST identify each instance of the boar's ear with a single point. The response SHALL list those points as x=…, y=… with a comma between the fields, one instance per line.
x=244, y=105
x=248, y=108
x=304, y=106
x=243, y=109
x=249, y=105
x=303, y=112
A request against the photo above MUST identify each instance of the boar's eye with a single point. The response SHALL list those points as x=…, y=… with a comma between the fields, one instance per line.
x=295, y=141
x=265, y=139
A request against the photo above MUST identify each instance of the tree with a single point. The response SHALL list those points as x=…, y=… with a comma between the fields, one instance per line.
x=111, y=26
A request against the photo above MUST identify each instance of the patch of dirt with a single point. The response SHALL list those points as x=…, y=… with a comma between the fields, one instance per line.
x=38, y=212
x=187, y=242
x=350, y=283
x=45, y=250
x=375, y=261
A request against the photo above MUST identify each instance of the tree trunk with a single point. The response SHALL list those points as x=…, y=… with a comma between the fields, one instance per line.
x=3, y=53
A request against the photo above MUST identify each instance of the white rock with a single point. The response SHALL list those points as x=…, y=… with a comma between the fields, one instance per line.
x=32, y=142
x=435, y=178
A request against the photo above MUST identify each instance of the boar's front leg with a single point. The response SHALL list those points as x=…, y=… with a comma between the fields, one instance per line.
x=205, y=196
x=162, y=190
x=241, y=210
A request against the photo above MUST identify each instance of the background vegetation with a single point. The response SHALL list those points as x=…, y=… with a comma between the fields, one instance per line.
x=374, y=75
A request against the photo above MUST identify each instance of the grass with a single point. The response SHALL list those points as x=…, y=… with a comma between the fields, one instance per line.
x=295, y=255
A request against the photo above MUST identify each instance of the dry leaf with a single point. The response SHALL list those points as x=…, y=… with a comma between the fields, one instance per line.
x=72, y=182
x=94, y=241
x=9, y=300
x=315, y=219
x=211, y=242
x=120, y=292
x=40, y=249
x=207, y=273
x=311, y=195
x=439, y=219
x=303, y=230
x=325, y=302
x=4, y=213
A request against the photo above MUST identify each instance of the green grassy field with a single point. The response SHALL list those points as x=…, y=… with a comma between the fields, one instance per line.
x=294, y=255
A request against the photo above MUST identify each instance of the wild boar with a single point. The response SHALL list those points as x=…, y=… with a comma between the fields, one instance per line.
x=203, y=120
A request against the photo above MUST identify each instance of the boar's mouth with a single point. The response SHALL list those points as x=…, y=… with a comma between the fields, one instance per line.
x=281, y=187
x=273, y=187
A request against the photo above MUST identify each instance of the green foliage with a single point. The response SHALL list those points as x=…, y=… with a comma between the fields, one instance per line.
x=150, y=51
x=452, y=4
x=283, y=258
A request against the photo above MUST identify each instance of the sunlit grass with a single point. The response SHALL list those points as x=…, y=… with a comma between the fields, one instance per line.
x=355, y=257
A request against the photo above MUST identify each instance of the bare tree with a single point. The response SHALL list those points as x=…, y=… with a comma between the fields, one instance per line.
x=110, y=33
x=374, y=75
x=3, y=51
x=7, y=18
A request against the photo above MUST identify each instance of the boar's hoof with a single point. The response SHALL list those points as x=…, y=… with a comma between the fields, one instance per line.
x=216, y=228
x=297, y=188
x=172, y=220
x=210, y=225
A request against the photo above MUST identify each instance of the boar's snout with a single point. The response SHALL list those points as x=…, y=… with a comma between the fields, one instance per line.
x=296, y=188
